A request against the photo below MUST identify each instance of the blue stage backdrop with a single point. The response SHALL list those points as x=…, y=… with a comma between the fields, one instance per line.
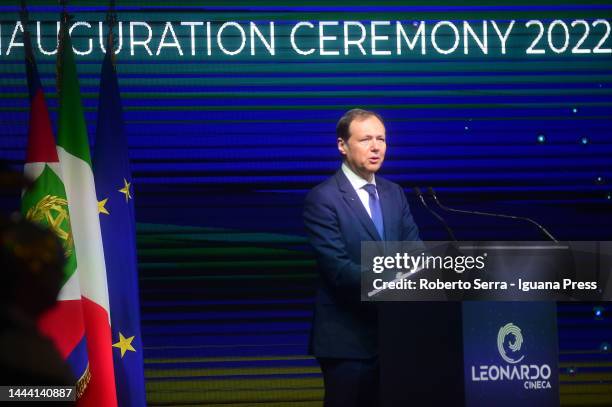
x=230, y=112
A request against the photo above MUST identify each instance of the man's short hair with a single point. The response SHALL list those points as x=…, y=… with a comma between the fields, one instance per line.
x=342, y=128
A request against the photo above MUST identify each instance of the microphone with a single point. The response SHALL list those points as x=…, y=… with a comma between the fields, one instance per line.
x=418, y=192
x=497, y=215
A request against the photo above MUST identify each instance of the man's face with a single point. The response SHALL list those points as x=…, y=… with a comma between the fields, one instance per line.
x=365, y=148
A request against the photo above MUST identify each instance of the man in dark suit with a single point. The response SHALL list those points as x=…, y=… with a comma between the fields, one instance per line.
x=350, y=207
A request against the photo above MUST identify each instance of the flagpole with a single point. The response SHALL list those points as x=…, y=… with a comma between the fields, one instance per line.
x=64, y=4
x=63, y=21
x=111, y=15
x=111, y=19
x=24, y=15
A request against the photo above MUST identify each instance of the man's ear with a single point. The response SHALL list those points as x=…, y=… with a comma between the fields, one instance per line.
x=341, y=146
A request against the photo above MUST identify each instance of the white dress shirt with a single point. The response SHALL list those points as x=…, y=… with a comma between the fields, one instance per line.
x=358, y=183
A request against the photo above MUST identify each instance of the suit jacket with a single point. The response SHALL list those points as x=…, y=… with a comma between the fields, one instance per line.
x=337, y=222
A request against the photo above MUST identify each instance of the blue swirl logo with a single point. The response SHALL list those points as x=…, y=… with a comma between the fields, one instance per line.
x=513, y=345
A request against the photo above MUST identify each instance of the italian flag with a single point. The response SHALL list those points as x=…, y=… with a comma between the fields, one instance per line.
x=74, y=157
x=45, y=202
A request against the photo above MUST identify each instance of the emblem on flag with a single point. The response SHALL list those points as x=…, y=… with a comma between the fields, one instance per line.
x=53, y=211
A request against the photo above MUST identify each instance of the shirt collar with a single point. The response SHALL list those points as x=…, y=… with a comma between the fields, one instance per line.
x=356, y=181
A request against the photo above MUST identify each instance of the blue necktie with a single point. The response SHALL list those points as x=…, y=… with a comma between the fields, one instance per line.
x=375, y=210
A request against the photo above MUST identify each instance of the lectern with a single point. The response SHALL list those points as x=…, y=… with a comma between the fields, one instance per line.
x=495, y=347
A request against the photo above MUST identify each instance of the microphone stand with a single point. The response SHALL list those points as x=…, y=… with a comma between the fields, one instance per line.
x=450, y=233
x=497, y=215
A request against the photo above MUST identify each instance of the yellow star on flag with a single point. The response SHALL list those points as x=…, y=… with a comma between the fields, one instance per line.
x=101, y=208
x=126, y=190
x=124, y=344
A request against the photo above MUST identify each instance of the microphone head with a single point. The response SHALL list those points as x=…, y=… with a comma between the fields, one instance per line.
x=417, y=191
x=431, y=191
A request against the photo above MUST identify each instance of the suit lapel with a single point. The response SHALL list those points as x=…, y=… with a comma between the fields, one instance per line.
x=353, y=201
x=386, y=206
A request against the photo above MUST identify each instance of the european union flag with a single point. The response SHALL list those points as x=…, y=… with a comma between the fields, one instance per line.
x=116, y=210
